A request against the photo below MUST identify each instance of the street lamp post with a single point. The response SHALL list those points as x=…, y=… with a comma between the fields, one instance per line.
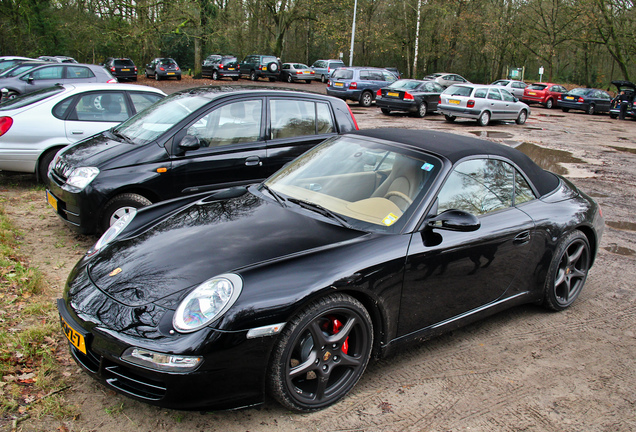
x=353, y=32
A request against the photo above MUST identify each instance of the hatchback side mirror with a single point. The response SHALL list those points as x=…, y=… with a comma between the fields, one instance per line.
x=454, y=220
x=190, y=142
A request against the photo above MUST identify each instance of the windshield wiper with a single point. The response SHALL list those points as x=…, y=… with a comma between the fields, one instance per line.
x=121, y=135
x=276, y=196
x=321, y=210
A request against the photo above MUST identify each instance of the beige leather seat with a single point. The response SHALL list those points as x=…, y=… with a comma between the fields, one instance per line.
x=403, y=183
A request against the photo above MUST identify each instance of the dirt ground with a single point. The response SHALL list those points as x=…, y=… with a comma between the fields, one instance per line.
x=525, y=369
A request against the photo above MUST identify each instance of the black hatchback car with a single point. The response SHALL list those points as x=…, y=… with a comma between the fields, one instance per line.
x=217, y=67
x=163, y=68
x=193, y=141
x=122, y=68
x=413, y=96
x=624, y=104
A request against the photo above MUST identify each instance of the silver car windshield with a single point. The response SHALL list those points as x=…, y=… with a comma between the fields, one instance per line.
x=30, y=98
x=152, y=122
x=374, y=187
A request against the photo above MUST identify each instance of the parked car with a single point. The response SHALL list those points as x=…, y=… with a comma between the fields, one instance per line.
x=324, y=68
x=446, y=79
x=7, y=62
x=371, y=241
x=257, y=66
x=218, y=67
x=192, y=141
x=163, y=68
x=122, y=68
x=545, y=94
x=58, y=59
x=63, y=114
x=293, y=72
x=395, y=71
x=483, y=103
x=20, y=68
x=413, y=96
x=585, y=99
x=49, y=74
x=513, y=86
x=624, y=104
x=359, y=83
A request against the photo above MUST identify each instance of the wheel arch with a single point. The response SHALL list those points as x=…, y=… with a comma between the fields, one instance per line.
x=592, y=240
x=53, y=148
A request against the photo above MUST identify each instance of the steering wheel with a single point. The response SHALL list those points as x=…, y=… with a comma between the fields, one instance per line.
x=399, y=195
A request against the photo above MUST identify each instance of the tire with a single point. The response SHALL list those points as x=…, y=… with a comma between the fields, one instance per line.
x=12, y=94
x=450, y=118
x=330, y=341
x=567, y=272
x=591, y=109
x=290, y=79
x=120, y=204
x=134, y=79
x=613, y=116
x=43, y=165
x=147, y=76
x=272, y=67
x=366, y=99
x=235, y=78
x=253, y=76
x=385, y=111
x=484, y=119
x=549, y=104
x=178, y=77
x=421, y=110
x=157, y=76
x=272, y=79
x=565, y=109
x=323, y=79
x=523, y=116
x=215, y=76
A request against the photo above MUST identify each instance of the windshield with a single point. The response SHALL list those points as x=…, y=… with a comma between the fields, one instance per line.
x=405, y=84
x=374, y=187
x=458, y=90
x=537, y=87
x=30, y=98
x=17, y=70
x=152, y=122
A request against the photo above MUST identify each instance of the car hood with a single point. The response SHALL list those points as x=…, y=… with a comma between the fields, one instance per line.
x=203, y=240
x=101, y=150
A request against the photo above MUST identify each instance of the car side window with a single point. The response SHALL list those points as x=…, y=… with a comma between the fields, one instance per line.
x=78, y=72
x=53, y=72
x=106, y=107
x=291, y=118
x=494, y=94
x=233, y=123
x=365, y=75
x=480, y=93
x=523, y=191
x=507, y=96
x=478, y=186
x=141, y=101
x=324, y=119
x=389, y=77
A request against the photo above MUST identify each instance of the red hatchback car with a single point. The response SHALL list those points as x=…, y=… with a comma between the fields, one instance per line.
x=545, y=94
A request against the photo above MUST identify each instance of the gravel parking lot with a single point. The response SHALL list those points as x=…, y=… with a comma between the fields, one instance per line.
x=523, y=369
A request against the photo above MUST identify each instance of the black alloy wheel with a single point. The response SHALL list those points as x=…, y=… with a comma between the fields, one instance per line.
x=321, y=353
x=568, y=271
x=157, y=78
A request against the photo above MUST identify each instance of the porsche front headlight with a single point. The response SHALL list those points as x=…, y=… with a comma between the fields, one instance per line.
x=207, y=302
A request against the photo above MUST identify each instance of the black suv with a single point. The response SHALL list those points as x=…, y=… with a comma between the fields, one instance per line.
x=217, y=67
x=256, y=66
x=193, y=141
x=121, y=68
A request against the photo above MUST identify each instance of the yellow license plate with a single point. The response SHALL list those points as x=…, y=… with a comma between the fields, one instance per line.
x=393, y=94
x=569, y=97
x=264, y=68
x=125, y=70
x=74, y=337
x=305, y=72
x=532, y=93
x=51, y=200
x=170, y=73
x=339, y=84
x=230, y=68
x=454, y=101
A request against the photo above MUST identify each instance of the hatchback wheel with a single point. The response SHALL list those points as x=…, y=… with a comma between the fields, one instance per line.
x=549, y=104
x=323, y=79
x=484, y=119
x=523, y=116
x=157, y=76
x=215, y=75
x=366, y=99
x=567, y=272
x=321, y=353
x=119, y=206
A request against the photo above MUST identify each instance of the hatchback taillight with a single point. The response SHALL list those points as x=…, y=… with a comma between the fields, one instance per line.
x=353, y=85
x=5, y=124
x=161, y=68
x=135, y=68
x=176, y=68
x=559, y=97
x=408, y=96
x=470, y=104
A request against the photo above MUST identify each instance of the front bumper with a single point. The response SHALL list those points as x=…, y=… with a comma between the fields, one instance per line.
x=79, y=210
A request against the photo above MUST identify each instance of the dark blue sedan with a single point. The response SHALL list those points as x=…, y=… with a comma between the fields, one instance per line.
x=585, y=99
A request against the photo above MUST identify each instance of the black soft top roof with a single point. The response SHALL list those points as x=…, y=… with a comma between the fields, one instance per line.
x=456, y=147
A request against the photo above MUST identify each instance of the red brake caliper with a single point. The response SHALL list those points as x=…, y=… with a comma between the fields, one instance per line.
x=336, y=325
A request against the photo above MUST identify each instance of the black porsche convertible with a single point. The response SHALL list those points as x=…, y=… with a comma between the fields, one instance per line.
x=288, y=287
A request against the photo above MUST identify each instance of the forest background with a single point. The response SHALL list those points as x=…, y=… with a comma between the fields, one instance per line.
x=587, y=42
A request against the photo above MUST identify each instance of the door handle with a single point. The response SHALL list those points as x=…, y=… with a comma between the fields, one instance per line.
x=253, y=161
x=522, y=238
x=77, y=132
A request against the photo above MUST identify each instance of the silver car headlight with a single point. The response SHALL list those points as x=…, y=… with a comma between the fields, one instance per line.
x=207, y=302
x=112, y=232
x=81, y=177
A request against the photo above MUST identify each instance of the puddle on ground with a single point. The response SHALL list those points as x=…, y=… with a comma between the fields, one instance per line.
x=619, y=250
x=492, y=134
x=623, y=226
x=551, y=115
x=549, y=159
x=624, y=149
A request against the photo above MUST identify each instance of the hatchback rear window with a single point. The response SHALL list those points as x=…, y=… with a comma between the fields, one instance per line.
x=345, y=74
x=457, y=90
x=30, y=98
x=123, y=63
x=269, y=59
x=536, y=87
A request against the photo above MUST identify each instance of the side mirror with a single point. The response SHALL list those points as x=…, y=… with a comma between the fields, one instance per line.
x=454, y=220
x=190, y=142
